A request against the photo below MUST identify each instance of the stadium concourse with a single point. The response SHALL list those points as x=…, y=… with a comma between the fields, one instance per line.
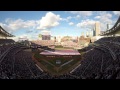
x=100, y=61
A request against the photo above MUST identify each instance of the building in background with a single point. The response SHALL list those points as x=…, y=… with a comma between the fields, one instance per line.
x=96, y=29
x=46, y=37
x=84, y=41
x=20, y=39
x=107, y=26
x=53, y=38
x=58, y=39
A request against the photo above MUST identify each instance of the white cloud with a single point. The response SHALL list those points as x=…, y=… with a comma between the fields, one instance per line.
x=86, y=24
x=48, y=21
x=45, y=32
x=71, y=23
x=16, y=38
x=51, y=20
x=69, y=17
x=105, y=14
x=109, y=15
x=26, y=36
x=13, y=25
x=5, y=26
x=116, y=12
x=78, y=16
x=66, y=19
x=97, y=17
x=19, y=23
x=104, y=19
x=89, y=24
x=82, y=13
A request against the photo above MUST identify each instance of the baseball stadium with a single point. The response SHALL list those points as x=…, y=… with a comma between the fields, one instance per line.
x=52, y=57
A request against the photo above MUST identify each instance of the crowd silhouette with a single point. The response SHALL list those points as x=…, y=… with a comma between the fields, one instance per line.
x=99, y=62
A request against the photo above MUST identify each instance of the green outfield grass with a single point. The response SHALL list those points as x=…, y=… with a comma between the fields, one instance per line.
x=61, y=48
x=49, y=63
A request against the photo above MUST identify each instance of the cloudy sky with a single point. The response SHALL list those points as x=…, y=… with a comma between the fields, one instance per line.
x=59, y=23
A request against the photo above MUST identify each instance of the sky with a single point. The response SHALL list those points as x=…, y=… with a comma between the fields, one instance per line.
x=59, y=23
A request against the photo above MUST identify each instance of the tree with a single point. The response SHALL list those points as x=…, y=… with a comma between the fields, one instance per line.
x=40, y=35
x=66, y=38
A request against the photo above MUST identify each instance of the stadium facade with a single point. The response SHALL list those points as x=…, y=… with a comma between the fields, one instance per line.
x=4, y=33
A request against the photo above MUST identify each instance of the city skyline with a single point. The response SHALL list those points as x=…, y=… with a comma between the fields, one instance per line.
x=59, y=23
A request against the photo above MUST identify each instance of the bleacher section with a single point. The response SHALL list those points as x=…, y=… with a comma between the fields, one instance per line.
x=100, y=62
x=6, y=41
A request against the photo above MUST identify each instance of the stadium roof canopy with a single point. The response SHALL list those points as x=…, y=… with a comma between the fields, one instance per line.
x=5, y=33
x=114, y=30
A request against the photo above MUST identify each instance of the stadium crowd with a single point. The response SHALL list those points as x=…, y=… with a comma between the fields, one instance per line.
x=100, y=62
x=5, y=41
